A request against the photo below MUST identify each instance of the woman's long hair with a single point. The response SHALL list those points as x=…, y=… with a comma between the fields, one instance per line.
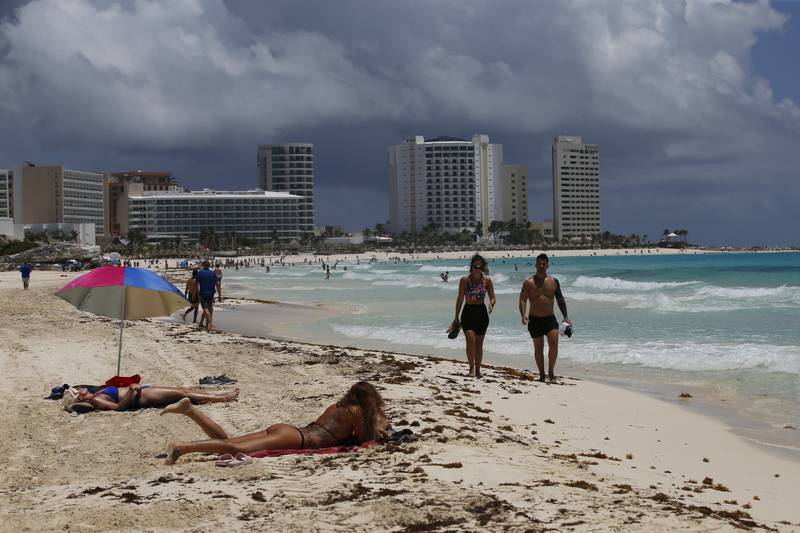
x=484, y=268
x=369, y=399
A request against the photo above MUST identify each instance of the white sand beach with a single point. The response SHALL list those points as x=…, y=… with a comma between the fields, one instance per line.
x=500, y=453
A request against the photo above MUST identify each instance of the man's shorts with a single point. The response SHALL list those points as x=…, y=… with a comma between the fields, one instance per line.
x=207, y=301
x=25, y=281
x=539, y=326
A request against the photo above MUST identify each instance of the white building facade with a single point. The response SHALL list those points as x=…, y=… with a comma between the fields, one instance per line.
x=576, y=188
x=84, y=198
x=5, y=193
x=289, y=168
x=255, y=214
x=446, y=182
x=514, y=191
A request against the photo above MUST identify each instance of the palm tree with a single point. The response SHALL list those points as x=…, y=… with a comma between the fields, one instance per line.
x=208, y=237
x=136, y=239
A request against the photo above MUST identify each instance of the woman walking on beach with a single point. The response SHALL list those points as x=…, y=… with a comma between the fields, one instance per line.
x=193, y=295
x=355, y=419
x=472, y=290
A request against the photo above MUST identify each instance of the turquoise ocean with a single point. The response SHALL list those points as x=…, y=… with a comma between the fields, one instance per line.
x=728, y=323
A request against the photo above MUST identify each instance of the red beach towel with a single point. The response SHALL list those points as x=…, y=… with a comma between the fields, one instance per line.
x=317, y=451
x=123, y=381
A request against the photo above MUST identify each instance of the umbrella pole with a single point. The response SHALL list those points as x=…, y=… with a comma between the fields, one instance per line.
x=121, y=327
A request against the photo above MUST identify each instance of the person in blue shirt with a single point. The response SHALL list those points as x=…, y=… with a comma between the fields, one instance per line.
x=207, y=281
x=25, y=269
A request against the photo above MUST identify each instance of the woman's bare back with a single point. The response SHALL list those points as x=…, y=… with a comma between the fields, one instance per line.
x=336, y=426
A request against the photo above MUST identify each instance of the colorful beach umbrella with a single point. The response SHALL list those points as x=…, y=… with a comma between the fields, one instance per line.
x=125, y=293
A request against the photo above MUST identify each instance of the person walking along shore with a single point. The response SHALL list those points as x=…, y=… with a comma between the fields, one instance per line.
x=472, y=290
x=193, y=295
x=207, y=282
x=25, y=269
x=542, y=291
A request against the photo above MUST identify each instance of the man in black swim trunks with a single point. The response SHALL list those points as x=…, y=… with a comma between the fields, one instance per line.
x=542, y=291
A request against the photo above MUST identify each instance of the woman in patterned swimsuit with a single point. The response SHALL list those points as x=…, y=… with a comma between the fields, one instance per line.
x=472, y=290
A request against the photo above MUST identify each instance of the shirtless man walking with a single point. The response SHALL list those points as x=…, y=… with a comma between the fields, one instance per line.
x=542, y=291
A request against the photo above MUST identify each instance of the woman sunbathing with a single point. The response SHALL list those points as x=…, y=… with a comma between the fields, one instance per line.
x=138, y=396
x=355, y=419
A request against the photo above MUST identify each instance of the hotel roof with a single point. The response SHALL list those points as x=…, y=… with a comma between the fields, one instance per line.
x=214, y=194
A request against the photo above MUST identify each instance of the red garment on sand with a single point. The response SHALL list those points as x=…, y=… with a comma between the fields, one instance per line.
x=123, y=381
x=311, y=451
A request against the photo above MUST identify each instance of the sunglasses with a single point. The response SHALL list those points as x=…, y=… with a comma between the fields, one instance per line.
x=473, y=267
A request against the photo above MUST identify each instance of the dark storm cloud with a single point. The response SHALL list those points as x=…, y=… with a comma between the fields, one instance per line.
x=691, y=136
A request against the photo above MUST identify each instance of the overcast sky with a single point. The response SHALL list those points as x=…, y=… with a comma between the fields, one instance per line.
x=695, y=104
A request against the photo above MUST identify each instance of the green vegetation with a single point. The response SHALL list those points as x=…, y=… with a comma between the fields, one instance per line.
x=15, y=247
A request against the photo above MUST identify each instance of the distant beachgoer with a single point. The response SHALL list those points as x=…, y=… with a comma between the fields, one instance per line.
x=140, y=396
x=328, y=273
x=542, y=291
x=472, y=290
x=355, y=419
x=446, y=276
x=207, y=282
x=193, y=295
x=25, y=269
x=218, y=272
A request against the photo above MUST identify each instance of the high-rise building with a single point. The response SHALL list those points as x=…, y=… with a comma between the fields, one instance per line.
x=255, y=214
x=119, y=188
x=446, y=182
x=53, y=194
x=289, y=168
x=576, y=188
x=514, y=190
x=6, y=196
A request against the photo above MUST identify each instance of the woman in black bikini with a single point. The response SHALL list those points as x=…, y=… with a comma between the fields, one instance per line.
x=355, y=419
x=472, y=290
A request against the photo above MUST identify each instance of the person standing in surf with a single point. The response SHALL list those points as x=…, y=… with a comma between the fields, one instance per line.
x=472, y=290
x=542, y=291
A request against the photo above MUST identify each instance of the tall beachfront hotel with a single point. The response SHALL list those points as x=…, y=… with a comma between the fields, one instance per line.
x=53, y=194
x=514, y=189
x=289, y=168
x=576, y=188
x=449, y=183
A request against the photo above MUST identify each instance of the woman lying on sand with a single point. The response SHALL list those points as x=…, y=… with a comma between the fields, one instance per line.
x=355, y=419
x=139, y=396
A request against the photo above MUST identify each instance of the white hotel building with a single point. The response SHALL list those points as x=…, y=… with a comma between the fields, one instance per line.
x=289, y=168
x=446, y=182
x=576, y=188
x=254, y=214
x=5, y=193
